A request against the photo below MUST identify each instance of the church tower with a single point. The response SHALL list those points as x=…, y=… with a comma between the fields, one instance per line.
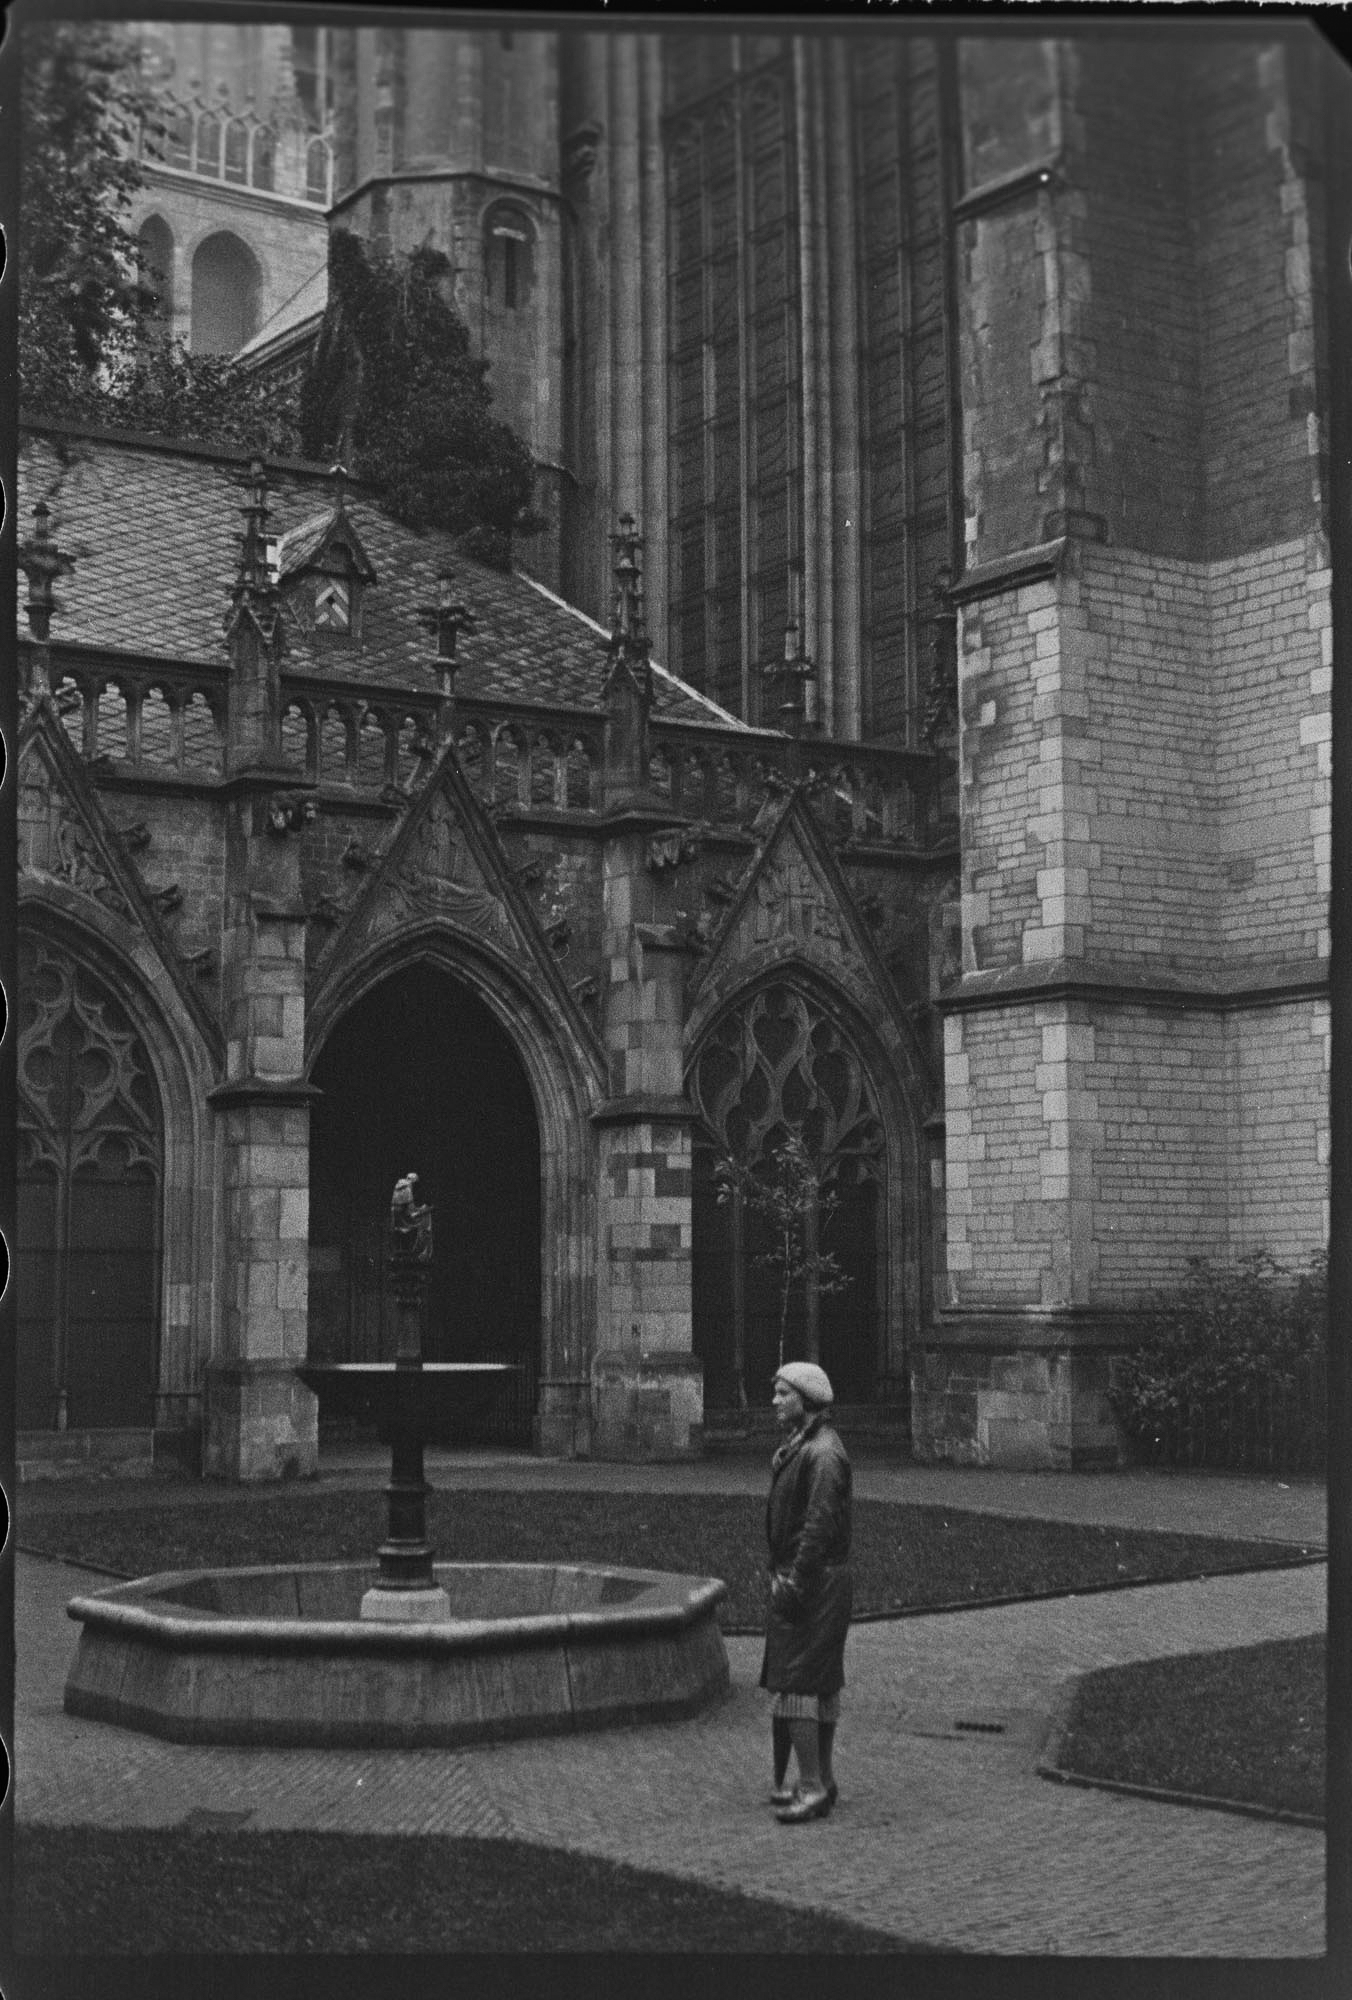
x=449, y=138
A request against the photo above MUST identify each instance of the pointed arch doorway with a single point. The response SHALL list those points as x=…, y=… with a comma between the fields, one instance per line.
x=418, y=1076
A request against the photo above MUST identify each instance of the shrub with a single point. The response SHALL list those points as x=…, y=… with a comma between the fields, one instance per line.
x=1229, y=1366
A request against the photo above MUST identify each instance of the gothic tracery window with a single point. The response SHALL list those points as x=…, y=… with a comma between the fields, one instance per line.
x=774, y=1068
x=89, y=1170
x=780, y=1066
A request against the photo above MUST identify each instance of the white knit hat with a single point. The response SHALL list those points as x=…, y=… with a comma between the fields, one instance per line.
x=808, y=1379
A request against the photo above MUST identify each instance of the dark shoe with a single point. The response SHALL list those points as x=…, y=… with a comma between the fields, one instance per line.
x=783, y=1795
x=833, y=1791
x=810, y=1805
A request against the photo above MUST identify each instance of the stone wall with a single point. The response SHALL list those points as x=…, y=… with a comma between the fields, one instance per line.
x=1134, y=1055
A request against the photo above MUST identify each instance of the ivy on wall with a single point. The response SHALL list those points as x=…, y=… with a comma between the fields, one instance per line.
x=396, y=392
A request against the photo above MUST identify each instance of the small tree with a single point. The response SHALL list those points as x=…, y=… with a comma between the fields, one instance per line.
x=790, y=1194
x=397, y=393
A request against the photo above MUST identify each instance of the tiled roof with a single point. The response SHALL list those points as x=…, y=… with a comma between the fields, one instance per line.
x=298, y=544
x=155, y=534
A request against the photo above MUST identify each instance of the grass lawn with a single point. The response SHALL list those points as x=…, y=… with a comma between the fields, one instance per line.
x=1246, y=1724
x=904, y=1557
x=89, y=1890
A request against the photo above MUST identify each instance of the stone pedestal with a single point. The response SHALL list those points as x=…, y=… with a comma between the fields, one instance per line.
x=647, y=1407
x=563, y=1420
x=261, y=1422
x=407, y=1607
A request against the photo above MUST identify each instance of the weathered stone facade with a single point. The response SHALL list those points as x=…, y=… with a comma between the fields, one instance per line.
x=969, y=391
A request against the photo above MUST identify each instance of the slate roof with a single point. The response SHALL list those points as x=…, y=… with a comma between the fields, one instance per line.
x=299, y=546
x=155, y=533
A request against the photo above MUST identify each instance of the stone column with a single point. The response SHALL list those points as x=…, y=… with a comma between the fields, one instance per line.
x=648, y=1391
x=647, y=1385
x=1140, y=664
x=1017, y=1369
x=261, y=1421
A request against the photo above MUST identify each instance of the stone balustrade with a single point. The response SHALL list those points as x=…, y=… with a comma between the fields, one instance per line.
x=170, y=722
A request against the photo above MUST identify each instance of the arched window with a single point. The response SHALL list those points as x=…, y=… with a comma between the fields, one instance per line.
x=264, y=158
x=318, y=170
x=209, y=144
x=89, y=1174
x=225, y=285
x=237, y=151
x=509, y=261
x=156, y=242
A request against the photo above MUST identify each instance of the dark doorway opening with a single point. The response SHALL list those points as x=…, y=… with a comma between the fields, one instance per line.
x=775, y=1073
x=847, y=1326
x=419, y=1078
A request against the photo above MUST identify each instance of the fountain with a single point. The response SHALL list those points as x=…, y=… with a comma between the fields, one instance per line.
x=406, y=1651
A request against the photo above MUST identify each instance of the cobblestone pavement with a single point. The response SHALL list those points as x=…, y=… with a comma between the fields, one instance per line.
x=943, y=1837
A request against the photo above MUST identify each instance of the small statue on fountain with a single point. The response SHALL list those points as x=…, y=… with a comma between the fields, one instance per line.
x=410, y=1224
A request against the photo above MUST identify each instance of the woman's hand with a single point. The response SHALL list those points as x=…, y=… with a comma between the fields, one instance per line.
x=784, y=1597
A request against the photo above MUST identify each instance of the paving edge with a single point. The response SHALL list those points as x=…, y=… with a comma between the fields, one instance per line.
x=72, y=1562
x=899, y=1611
x=1050, y=1767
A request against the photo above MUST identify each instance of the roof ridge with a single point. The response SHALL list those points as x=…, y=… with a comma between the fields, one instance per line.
x=720, y=714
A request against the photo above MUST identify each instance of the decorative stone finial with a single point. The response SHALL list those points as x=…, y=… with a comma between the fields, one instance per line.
x=791, y=675
x=254, y=592
x=939, y=720
x=447, y=618
x=42, y=563
x=629, y=641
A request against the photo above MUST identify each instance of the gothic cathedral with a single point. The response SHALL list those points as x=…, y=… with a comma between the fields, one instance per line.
x=897, y=774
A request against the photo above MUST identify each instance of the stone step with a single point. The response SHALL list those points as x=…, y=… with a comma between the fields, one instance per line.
x=887, y=1422
x=64, y=1454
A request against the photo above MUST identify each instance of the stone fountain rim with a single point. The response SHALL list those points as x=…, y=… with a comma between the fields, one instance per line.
x=118, y=1610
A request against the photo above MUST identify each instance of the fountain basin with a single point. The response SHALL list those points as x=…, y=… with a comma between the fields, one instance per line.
x=421, y=1399
x=281, y=1656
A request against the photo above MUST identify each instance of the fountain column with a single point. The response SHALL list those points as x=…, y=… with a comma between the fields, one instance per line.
x=407, y=1585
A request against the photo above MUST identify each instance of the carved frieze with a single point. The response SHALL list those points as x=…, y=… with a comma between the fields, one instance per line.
x=290, y=813
x=57, y=846
x=790, y=904
x=437, y=876
x=670, y=847
x=580, y=148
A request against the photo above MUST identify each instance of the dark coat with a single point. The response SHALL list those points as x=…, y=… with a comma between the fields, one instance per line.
x=807, y=1523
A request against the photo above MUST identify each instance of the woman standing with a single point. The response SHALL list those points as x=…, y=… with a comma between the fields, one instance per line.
x=807, y=1523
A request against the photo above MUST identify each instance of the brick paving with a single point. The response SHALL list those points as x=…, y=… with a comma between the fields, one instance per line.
x=943, y=1837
